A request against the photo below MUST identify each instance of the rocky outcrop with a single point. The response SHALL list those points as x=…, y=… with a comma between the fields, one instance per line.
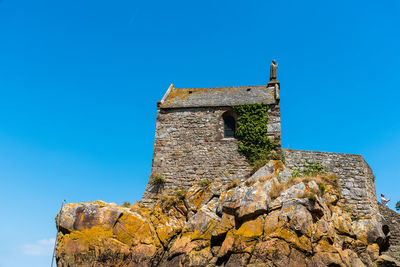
x=267, y=220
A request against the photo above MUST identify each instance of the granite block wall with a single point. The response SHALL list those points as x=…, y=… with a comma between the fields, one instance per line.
x=190, y=145
x=354, y=174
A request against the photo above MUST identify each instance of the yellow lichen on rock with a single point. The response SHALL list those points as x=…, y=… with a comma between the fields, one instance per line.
x=216, y=224
x=133, y=229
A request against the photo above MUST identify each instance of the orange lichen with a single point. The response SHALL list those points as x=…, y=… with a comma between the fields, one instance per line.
x=278, y=166
x=183, y=93
x=90, y=238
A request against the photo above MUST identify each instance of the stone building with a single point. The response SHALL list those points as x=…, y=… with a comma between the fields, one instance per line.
x=195, y=140
x=195, y=134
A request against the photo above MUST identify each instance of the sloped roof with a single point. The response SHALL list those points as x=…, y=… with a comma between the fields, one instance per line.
x=217, y=97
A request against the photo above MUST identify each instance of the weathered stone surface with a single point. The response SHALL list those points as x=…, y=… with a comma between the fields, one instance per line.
x=190, y=146
x=81, y=216
x=204, y=222
x=213, y=227
x=217, y=97
x=296, y=191
x=354, y=175
x=391, y=229
x=255, y=200
x=273, y=168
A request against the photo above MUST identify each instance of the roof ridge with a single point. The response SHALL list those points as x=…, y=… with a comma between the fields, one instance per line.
x=242, y=86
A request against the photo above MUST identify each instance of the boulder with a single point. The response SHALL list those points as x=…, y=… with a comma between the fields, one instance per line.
x=77, y=217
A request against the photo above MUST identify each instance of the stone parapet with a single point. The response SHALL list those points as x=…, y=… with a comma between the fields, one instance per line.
x=354, y=174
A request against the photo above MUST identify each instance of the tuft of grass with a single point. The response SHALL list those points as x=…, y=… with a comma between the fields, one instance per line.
x=266, y=178
x=167, y=201
x=398, y=205
x=321, y=180
x=170, y=198
x=249, y=182
x=205, y=182
x=276, y=190
x=180, y=193
x=233, y=184
x=258, y=164
x=126, y=204
x=157, y=179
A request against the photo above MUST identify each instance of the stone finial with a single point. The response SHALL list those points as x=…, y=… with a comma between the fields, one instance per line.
x=273, y=71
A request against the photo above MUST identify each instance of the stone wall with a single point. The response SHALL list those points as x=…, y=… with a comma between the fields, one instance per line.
x=190, y=145
x=392, y=220
x=354, y=174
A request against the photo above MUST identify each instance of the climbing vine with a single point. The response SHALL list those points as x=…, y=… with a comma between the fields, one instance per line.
x=252, y=133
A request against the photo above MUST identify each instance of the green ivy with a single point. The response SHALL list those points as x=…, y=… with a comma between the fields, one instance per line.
x=252, y=132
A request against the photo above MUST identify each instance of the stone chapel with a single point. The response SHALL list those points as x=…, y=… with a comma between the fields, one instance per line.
x=195, y=140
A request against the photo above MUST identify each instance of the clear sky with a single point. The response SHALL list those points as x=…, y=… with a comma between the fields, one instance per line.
x=79, y=81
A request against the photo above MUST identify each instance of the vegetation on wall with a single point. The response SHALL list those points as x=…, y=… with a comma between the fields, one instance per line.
x=157, y=179
x=126, y=204
x=310, y=168
x=398, y=205
x=252, y=133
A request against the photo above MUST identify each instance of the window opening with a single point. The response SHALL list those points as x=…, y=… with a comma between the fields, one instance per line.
x=229, y=127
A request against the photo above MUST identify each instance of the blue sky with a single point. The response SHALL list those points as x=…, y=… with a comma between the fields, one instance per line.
x=79, y=81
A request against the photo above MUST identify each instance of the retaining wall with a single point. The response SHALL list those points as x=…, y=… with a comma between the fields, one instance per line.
x=355, y=177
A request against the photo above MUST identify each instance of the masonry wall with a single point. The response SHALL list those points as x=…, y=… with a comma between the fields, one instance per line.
x=354, y=174
x=190, y=146
x=392, y=220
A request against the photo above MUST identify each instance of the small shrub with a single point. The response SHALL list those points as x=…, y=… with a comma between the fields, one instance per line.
x=398, y=205
x=283, y=159
x=310, y=168
x=233, y=184
x=126, y=204
x=180, y=193
x=168, y=200
x=205, y=182
x=157, y=179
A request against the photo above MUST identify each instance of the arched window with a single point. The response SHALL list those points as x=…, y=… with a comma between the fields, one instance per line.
x=229, y=126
